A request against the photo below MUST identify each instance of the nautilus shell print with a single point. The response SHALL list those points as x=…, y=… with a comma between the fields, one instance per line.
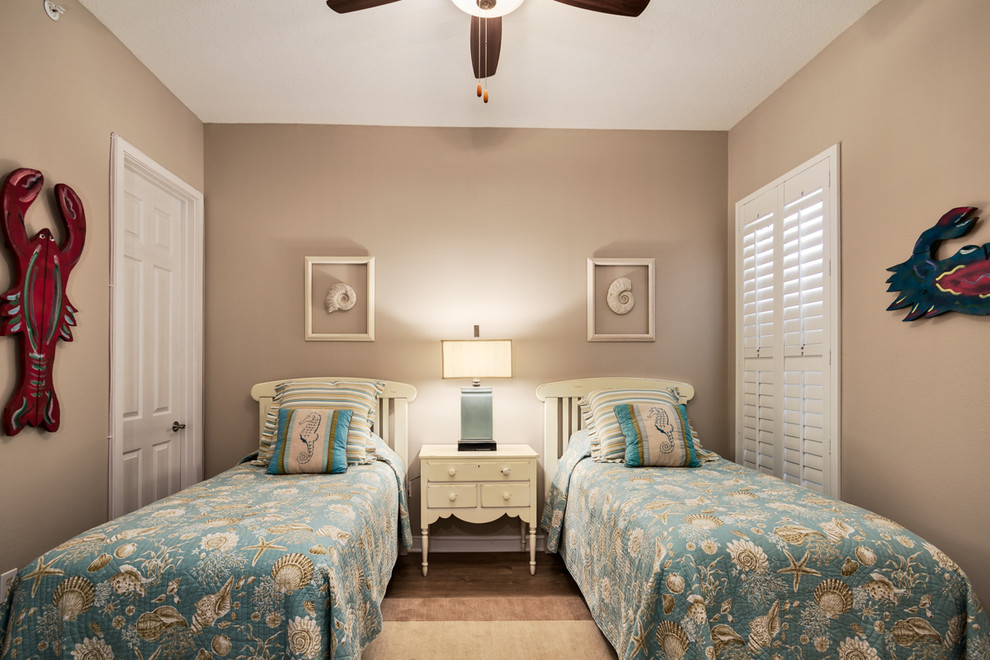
x=620, y=298
x=341, y=297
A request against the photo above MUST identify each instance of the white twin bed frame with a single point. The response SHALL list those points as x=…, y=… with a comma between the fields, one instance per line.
x=561, y=413
x=562, y=416
x=391, y=423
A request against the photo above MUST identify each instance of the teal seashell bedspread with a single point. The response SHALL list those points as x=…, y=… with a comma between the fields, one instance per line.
x=721, y=561
x=244, y=564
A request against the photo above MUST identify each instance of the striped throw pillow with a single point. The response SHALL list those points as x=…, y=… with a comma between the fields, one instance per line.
x=361, y=397
x=311, y=441
x=588, y=424
x=267, y=444
x=604, y=424
x=657, y=434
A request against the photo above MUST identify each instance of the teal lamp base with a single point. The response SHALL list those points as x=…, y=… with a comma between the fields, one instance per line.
x=476, y=420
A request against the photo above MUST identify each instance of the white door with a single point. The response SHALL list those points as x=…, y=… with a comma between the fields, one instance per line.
x=156, y=370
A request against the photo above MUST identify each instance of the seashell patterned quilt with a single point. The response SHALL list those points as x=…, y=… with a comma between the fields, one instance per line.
x=721, y=561
x=244, y=564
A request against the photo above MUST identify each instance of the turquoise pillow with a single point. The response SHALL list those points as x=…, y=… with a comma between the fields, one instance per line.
x=657, y=434
x=311, y=441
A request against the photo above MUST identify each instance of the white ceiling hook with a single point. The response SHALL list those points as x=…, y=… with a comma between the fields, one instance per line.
x=53, y=10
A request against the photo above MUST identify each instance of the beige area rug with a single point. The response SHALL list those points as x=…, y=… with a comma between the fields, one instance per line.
x=479, y=628
x=520, y=608
x=484, y=640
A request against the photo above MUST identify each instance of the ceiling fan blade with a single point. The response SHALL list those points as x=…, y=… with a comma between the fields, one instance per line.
x=347, y=6
x=616, y=7
x=486, y=42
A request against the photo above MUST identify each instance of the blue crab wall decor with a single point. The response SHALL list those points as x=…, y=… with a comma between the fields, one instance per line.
x=931, y=286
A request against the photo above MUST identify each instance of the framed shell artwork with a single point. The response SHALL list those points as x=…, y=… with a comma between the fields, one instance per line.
x=621, y=300
x=340, y=299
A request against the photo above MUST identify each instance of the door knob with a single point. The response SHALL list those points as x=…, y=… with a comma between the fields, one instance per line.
x=176, y=427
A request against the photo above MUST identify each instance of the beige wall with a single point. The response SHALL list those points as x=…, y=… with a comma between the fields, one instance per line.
x=905, y=91
x=467, y=226
x=66, y=86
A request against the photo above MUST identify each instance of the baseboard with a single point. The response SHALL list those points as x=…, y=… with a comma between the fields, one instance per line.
x=475, y=544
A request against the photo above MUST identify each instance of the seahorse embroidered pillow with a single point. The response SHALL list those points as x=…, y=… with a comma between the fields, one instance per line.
x=311, y=441
x=657, y=434
x=608, y=444
x=361, y=397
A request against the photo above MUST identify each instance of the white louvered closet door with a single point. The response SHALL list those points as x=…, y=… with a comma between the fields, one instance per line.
x=759, y=288
x=787, y=309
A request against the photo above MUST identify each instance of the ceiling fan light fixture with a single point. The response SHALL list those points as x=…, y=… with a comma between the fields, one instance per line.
x=487, y=8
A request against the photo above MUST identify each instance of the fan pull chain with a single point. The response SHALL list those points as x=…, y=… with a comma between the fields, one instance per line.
x=485, y=97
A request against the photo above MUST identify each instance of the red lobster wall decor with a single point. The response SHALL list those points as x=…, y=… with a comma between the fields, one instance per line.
x=36, y=308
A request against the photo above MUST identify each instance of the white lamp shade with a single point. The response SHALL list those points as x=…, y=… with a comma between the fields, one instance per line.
x=501, y=8
x=477, y=358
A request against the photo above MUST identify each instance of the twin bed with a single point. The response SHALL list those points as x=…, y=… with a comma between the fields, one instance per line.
x=712, y=561
x=245, y=564
x=720, y=561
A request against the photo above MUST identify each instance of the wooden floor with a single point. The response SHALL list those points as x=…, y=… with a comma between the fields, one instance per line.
x=478, y=574
x=486, y=606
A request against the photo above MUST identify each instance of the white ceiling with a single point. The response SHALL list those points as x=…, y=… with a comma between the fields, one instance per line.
x=682, y=64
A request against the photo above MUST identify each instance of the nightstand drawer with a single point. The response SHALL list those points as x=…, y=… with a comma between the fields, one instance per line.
x=478, y=471
x=453, y=496
x=504, y=495
x=504, y=471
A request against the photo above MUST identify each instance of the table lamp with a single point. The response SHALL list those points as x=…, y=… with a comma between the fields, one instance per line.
x=476, y=359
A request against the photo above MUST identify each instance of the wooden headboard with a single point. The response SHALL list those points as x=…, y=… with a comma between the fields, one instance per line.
x=393, y=408
x=562, y=417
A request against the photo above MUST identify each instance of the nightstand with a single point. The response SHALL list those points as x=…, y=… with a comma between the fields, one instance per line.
x=478, y=487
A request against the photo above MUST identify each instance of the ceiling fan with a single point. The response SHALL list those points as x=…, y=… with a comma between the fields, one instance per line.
x=486, y=24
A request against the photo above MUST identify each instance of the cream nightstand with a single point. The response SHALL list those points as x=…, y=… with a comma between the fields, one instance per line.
x=478, y=487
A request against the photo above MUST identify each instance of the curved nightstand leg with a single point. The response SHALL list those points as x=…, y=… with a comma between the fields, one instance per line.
x=532, y=549
x=522, y=534
x=426, y=550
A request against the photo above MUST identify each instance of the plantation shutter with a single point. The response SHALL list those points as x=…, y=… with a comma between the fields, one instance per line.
x=758, y=323
x=787, y=315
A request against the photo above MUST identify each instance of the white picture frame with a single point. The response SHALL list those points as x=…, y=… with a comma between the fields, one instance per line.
x=356, y=323
x=622, y=321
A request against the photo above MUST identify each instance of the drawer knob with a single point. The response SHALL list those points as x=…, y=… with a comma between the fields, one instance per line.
x=506, y=471
x=451, y=471
x=506, y=496
x=453, y=496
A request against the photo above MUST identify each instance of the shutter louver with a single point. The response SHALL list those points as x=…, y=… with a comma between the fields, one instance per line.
x=804, y=429
x=758, y=287
x=759, y=419
x=803, y=265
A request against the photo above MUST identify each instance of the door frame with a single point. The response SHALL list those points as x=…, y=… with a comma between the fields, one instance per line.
x=125, y=157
